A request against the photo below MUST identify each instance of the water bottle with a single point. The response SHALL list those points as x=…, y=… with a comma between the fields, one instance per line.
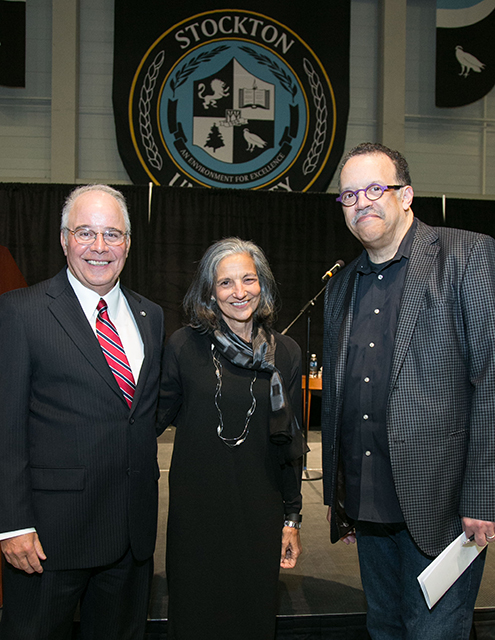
x=313, y=366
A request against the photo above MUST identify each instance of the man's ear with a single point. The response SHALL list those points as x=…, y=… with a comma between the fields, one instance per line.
x=63, y=242
x=407, y=197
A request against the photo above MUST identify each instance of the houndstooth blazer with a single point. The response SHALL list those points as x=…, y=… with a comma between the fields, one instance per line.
x=441, y=402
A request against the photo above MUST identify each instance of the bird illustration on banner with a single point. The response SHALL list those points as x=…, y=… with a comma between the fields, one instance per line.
x=468, y=62
x=253, y=140
x=465, y=58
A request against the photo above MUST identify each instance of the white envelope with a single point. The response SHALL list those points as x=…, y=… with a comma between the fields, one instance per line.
x=441, y=574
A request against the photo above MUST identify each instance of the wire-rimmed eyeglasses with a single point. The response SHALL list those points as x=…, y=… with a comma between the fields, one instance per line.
x=372, y=192
x=112, y=237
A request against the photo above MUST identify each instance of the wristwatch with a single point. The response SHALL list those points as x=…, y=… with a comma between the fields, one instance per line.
x=291, y=523
x=293, y=520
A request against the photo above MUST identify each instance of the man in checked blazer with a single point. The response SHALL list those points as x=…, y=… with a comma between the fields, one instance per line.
x=408, y=427
x=78, y=467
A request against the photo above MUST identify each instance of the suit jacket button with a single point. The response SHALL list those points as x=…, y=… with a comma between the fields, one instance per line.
x=131, y=420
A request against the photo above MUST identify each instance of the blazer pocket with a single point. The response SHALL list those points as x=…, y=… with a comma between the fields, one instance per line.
x=44, y=479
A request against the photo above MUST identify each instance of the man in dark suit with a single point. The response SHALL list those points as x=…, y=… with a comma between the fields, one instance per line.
x=408, y=399
x=78, y=454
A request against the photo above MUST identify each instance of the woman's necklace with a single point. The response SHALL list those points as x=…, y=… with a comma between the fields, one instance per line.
x=230, y=442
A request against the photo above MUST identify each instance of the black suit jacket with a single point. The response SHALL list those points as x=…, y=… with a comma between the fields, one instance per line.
x=75, y=463
x=441, y=397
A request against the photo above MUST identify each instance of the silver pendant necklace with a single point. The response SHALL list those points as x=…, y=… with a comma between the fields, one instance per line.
x=231, y=442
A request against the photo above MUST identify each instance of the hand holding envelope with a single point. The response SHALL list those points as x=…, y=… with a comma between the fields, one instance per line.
x=441, y=574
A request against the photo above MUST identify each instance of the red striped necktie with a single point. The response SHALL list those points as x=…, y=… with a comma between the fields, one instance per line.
x=114, y=352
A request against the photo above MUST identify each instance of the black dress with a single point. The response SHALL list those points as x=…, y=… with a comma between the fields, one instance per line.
x=226, y=504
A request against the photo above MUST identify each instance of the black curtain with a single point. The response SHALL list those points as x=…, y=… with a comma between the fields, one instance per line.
x=473, y=215
x=135, y=274
x=302, y=234
x=30, y=227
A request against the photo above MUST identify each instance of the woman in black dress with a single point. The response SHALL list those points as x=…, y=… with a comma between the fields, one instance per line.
x=232, y=387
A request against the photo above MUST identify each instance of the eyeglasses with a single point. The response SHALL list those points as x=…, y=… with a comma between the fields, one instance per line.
x=112, y=237
x=372, y=192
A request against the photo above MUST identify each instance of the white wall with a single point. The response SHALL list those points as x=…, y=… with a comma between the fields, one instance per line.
x=450, y=151
x=99, y=159
x=362, y=124
x=25, y=114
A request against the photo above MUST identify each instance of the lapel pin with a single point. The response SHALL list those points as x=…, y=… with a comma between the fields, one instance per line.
x=143, y=313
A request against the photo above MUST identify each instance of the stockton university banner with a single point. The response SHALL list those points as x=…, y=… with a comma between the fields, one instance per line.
x=465, y=58
x=251, y=97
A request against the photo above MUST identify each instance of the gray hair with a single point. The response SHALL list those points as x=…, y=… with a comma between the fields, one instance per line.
x=402, y=175
x=199, y=305
x=79, y=191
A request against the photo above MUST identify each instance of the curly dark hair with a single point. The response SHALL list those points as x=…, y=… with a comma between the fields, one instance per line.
x=401, y=167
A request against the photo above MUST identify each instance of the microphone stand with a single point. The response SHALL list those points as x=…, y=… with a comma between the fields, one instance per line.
x=307, y=475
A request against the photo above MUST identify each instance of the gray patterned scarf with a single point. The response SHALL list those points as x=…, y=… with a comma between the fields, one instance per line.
x=260, y=356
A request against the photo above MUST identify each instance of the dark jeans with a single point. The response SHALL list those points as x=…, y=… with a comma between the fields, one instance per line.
x=390, y=563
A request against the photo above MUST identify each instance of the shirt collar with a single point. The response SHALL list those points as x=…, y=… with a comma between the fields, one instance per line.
x=89, y=299
x=365, y=265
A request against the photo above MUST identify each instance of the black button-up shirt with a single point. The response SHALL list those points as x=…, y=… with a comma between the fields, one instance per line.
x=370, y=489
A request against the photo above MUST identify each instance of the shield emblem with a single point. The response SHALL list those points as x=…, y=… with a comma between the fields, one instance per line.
x=231, y=98
x=234, y=114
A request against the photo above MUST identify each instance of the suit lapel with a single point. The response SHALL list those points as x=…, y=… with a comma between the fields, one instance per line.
x=424, y=251
x=68, y=312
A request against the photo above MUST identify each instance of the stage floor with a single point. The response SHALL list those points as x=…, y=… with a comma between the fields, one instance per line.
x=326, y=579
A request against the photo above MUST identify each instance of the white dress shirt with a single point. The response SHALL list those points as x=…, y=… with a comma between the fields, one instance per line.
x=121, y=316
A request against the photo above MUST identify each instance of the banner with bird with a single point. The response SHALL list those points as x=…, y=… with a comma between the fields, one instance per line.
x=465, y=58
x=245, y=95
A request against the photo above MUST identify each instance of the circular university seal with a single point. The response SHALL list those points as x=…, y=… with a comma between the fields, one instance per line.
x=232, y=99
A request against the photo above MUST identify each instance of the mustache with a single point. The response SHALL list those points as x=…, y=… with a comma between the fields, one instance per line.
x=364, y=212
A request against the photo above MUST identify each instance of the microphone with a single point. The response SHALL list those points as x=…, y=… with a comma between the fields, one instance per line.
x=338, y=265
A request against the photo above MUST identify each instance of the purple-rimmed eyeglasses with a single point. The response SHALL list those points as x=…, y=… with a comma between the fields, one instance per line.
x=372, y=192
